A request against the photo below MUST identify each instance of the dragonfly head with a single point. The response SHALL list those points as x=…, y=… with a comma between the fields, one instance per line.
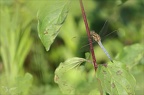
x=95, y=36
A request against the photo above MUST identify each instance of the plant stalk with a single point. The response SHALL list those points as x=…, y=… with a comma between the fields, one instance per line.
x=89, y=36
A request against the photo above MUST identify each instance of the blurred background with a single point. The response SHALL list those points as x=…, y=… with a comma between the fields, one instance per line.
x=25, y=63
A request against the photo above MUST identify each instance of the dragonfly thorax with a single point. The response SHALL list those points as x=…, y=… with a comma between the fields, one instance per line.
x=95, y=36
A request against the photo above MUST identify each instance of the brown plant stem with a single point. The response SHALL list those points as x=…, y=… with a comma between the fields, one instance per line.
x=89, y=36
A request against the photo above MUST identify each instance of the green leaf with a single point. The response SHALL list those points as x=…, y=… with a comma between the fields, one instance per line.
x=131, y=55
x=66, y=75
x=50, y=20
x=115, y=80
x=20, y=86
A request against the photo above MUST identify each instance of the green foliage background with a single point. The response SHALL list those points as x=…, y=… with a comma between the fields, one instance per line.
x=24, y=60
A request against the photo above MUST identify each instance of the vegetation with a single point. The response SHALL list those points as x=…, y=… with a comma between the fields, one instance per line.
x=44, y=49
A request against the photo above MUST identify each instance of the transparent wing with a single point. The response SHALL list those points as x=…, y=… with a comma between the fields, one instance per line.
x=108, y=31
x=83, y=41
x=104, y=29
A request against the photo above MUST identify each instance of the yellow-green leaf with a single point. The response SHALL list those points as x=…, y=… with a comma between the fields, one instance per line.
x=115, y=80
x=66, y=75
x=50, y=20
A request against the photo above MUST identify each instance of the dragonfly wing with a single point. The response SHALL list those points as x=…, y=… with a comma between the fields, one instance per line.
x=83, y=41
x=108, y=31
x=104, y=29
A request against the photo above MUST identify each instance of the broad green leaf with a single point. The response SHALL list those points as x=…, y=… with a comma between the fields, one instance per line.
x=94, y=92
x=24, y=83
x=131, y=55
x=67, y=75
x=20, y=86
x=50, y=20
x=115, y=80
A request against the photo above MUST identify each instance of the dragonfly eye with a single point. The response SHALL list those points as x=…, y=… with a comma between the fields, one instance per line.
x=92, y=33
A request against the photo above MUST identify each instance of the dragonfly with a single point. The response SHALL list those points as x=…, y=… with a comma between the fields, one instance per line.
x=97, y=38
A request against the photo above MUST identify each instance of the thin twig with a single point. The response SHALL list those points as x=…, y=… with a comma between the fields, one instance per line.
x=89, y=36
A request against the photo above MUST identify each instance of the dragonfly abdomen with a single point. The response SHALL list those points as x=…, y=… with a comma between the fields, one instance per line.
x=100, y=44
